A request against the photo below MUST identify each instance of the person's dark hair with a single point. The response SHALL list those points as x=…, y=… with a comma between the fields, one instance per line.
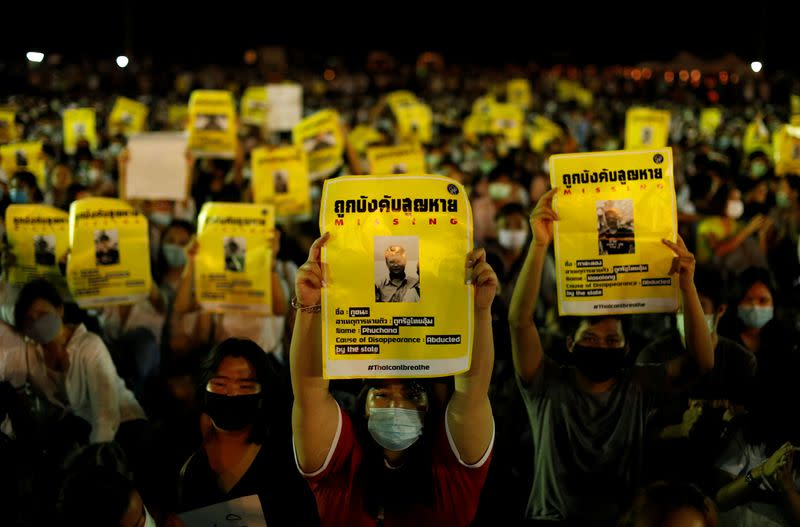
x=412, y=483
x=29, y=180
x=72, y=193
x=711, y=284
x=569, y=324
x=656, y=502
x=509, y=209
x=793, y=180
x=161, y=262
x=33, y=290
x=748, y=278
x=94, y=497
x=699, y=186
x=252, y=352
x=719, y=201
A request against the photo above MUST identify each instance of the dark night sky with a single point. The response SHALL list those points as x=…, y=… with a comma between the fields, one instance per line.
x=562, y=31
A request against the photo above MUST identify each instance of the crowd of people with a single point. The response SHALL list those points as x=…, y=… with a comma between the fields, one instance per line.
x=132, y=415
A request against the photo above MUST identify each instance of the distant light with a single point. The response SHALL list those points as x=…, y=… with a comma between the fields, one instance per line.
x=329, y=74
x=35, y=56
x=669, y=76
x=684, y=75
x=636, y=74
x=696, y=75
x=250, y=56
x=756, y=66
x=647, y=73
x=122, y=61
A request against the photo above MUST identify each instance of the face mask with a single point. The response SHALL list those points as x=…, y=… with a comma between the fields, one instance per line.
x=724, y=143
x=598, y=364
x=395, y=429
x=232, y=412
x=755, y=316
x=680, y=323
x=114, y=149
x=174, y=255
x=486, y=166
x=511, y=239
x=161, y=219
x=499, y=190
x=316, y=193
x=18, y=195
x=734, y=209
x=92, y=176
x=758, y=170
x=148, y=520
x=781, y=199
x=433, y=161
x=45, y=329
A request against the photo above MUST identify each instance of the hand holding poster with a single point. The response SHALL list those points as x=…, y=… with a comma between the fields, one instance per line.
x=614, y=210
x=402, y=159
x=38, y=236
x=79, y=123
x=233, y=267
x=240, y=512
x=212, y=124
x=24, y=156
x=320, y=135
x=127, y=117
x=157, y=167
x=646, y=128
x=407, y=312
x=280, y=176
x=109, y=261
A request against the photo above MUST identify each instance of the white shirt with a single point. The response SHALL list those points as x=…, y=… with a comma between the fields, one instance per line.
x=94, y=390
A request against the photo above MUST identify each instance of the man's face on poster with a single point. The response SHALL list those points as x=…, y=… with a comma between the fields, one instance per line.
x=612, y=219
x=396, y=263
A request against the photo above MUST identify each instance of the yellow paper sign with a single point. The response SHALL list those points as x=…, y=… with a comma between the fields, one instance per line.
x=234, y=263
x=401, y=159
x=757, y=137
x=518, y=93
x=787, y=151
x=542, y=132
x=79, y=123
x=255, y=105
x=177, y=116
x=475, y=125
x=794, y=103
x=646, y=128
x=128, y=117
x=362, y=136
x=320, y=135
x=710, y=119
x=212, y=124
x=280, y=176
x=614, y=209
x=24, y=156
x=8, y=127
x=109, y=261
x=39, y=239
x=415, y=123
x=507, y=120
x=400, y=99
x=483, y=105
x=395, y=302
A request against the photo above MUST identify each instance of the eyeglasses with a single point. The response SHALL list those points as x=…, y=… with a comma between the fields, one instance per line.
x=228, y=386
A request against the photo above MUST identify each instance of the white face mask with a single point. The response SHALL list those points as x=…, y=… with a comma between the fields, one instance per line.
x=512, y=239
x=734, y=209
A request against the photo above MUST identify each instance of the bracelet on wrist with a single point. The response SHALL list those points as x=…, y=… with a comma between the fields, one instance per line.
x=306, y=309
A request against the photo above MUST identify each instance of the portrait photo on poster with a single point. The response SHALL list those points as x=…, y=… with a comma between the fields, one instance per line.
x=397, y=269
x=211, y=122
x=400, y=168
x=320, y=142
x=44, y=249
x=615, y=233
x=280, y=178
x=235, y=253
x=106, y=247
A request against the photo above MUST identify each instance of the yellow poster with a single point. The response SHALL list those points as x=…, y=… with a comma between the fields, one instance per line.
x=363, y=136
x=320, y=135
x=567, y=90
x=415, y=123
x=234, y=263
x=212, y=124
x=280, y=176
x=710, y=119
x=8, y=126
x=39, y=239
x=757, y=137
x=109, y=260
x=787, y=151
x=79, y=123
x=794, y=103
x=254, y=106
x=614, y=210
x=24, y=156
x=483, y=105
x=386, y=320
x=401, y=159
x=400, y=99
x=646, y=128
x=507, y=120
x=518, y=93
x=542, y=132
x=584, y=97
x=128, y=117
x=177, y=116
x=473, y=126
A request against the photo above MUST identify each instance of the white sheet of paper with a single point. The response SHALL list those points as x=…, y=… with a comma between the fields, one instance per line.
x=157, y=166
x=240, y=512
x=285, y=103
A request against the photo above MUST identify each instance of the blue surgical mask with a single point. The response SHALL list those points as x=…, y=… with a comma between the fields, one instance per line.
x=174, y=255
x=758, y=170
x=781, y=199
x=18, y=195
x=755, y=316
x=395, y=429
x=161, y=219
x=45, y=329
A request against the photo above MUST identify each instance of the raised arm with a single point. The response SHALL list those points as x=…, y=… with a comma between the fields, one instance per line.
x=469, y=414
x=315, y=414
x=526, y=346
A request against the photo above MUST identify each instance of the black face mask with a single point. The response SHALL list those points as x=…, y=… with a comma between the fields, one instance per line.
x=598, y=364
x=232, y=412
